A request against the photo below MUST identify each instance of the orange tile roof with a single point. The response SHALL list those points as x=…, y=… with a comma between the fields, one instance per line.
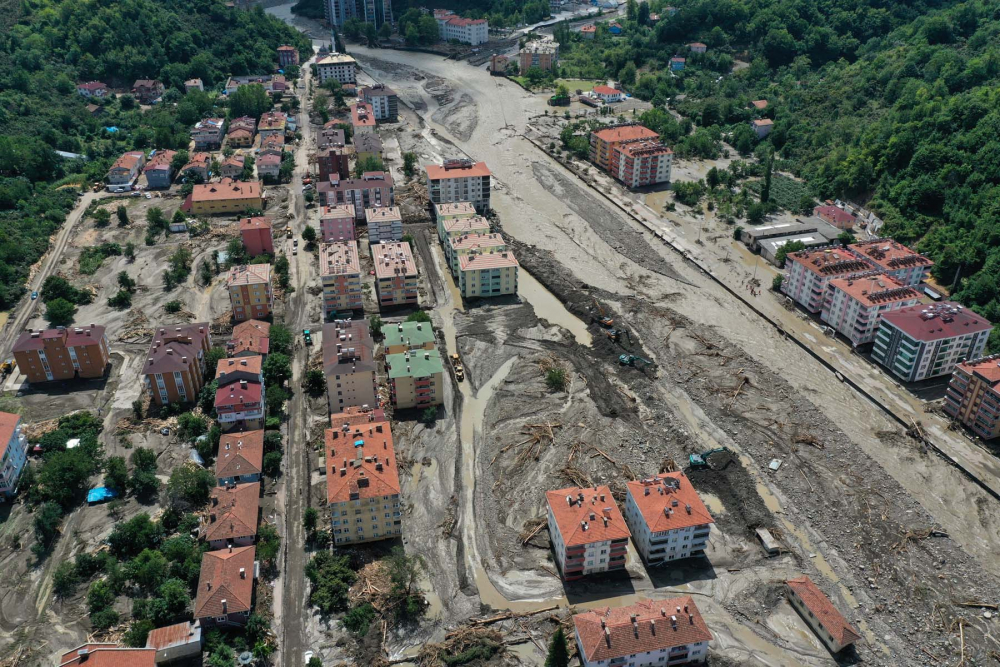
x=161, y=160
x=240, y=453
x=339, y=259
x=987, y=368
x=665, y=506
x=249, y=274
x=647, y=625
x=251, y=365
x=233, y=512
x=8, y=422
x=389, y=257
x=221, y=579
x=763, y=121
x=595, y=518
x=819, y=604
x=226, y=189
x=250, y=336
x=487, y=260
x=173, y=635
x=455, y=208
x=128, y=160
x=436, y=172
x=108, y=655
x=606, y=90
x=256, y=222
x=362, y=114
x=871, y=290
x=625, y=133
x=829, y=262
x=590, y=27
x=759, y=104
x=361, y=461
x=889, y=254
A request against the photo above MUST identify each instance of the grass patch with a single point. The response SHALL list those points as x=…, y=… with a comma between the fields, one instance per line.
x=91, y=258
x=786, y=193
x=578, y=84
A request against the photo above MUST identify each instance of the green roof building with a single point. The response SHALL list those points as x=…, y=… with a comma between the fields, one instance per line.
x=416, y=379
x=406, y=336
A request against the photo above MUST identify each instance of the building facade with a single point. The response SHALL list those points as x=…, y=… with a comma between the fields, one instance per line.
x=466, y=31
x=383, y=100
x=487, y=274
x=240, y=399
x=362, y=118
x=858, y=302
x=249, y=287
x=973, y=396
x=340, y=275
x=158, y=170
x=395, y=274
x=334, y=160
x=604, y=141
x=384, y=224
x=460, y=181
x=339, y=66
x=53, y=355
x=667, y=518
x=820, y=615
x=174, y=371
x=336, y=224
x=894, y=259
x=587, y=531
x=640, y=163
x=257, y=236
x=372, y=190
x=207, y=133
x=540, y=53
x=454, y=227
x=287, y=55
x=14, y=454
x=349, y=365
x=470, y=244
x=126, y=169
x=416, y=379
x=809, y=272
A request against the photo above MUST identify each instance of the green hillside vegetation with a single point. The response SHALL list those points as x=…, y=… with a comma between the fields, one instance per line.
x=894, y=104
x=47, y=46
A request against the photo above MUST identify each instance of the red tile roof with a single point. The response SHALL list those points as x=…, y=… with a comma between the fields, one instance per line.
x=250, y=336
x=233, y=512
x=595, y=518
x=394, y=259
x=249, y=274
x=128, y=160
x=476, y=241
x=362, y=114
x=606, y=90
x=108, y=655
x=819, y=604
x=226, y=189
x=830, y=262
x=171, y=345
x=361, y=460
x=647, y=625
x=835, y=215
x=240, y=453
x=940, y=320
x=251, y=365
x=435, y=172
x=173, y=635
x=625, y=133
x=590, y=27
x=256, y=222
x=668, y=501
x=763, y=121
x=987, y=368
x=221, y=580
x=8, y=422
x=759, y=104
x=874, y=289
x=889, y=254
x=634, y=148
x=161, y=160
x=238, y=395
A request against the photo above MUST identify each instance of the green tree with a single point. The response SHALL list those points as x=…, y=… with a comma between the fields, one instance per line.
x=558, y=653
x=148, y=570
x=418, y=316
x=102, y=218
x=358, y=619
x=309, y=235
x=315, y=382
x=190, y=426
x=271, y=465
x=46, y=523
x=126, y=282
x=143, y=482
x=777, y=281
x=366, y=164
x=60, y=312
x=268, y=543
x=330, y=577
x=212, y=359
x=791, y=246
x=555, y=379
x=122, y=214
x=116, y=474
x=765, y=191
x=250, y=100
x=65, y=580
x=130, y=538
x=129, y=251
x=276, y=370
x=190, y=485
x=310, y=519
x=409, y=164
x=280, y=338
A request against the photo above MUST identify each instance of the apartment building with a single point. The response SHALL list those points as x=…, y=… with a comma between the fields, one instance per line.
x=920, y=342
x=459, y=180
x=416, y=379
x=384, y=224
x=367, y=146
x=383, y=100
x=587, y=531
x=107, y=654
x=604, y=141
x=372, y=190
x=858, y=302
x=207, y=133
x=667, y=518
x=455, y=227
x=820, y=615
x=198, y=168
x=894, y=259
x=466, y=31
x=236, y=369
x=240, y=399
x=407, y=337
x=487, y=274
x=52, y=355
x=269, y=167
x=257, y=236
x=376, y=12
x=331, y=136
x=226, y=196
x=334, y=160
x=13, y=453
x=159, y=170
x=362, y=479
x=225, y=588
x=362, y=118
x=340, y=275
x=973, y=396
x=809, y=272
x=540, y=53
x=249, y=288
x=174, y=371
x=233, y=513
x=272, y=124
x=250, y=338
x=246, y=126
x=640, y=163
x=337, y=66
x=240, y=459
x=649, y=633
x=336, y=224
x=287, y=55
x=470, y=244
x=125, y=170
x=395, y=274
x=349, y=365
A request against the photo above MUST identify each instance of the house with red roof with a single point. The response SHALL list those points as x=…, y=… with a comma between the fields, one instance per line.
x=587, y=531
x=13, y=452
x=645, y=634
x=820, y=615
x=762, y=127
x=107, y=654
x=240, y=405
x=836, y=216
x=973, y=396
x=667, y=518
x=608, y=95
x=256, y=235
x=147, y=91
x=252, y=337
x=92, y=89
x=588, y=31
x=175, y=642
x=225, y=587
x=125, y=170
x=697, y=47
x=677, y=63
x=159, y=169
x=241, y=457
x=233, y=514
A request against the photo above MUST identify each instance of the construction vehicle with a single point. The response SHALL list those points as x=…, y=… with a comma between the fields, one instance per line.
x=307, y=336
x=630, y=359
x=700, y=461
x=288, y=232
x=603, y=320
x=459, y=369
x=613, y=334
x=6, y=367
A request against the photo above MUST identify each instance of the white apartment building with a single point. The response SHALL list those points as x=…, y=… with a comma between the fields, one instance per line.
x=667, y=518
x=340, y=274
x=809, y=273
x=894, y=259
x=587, y=531
x=385, y=223
x=384, y=101
x=338, y=66
x=857, y=303
x=649, y=633
x=460, y=181
x=920, y=342
x=467, y=31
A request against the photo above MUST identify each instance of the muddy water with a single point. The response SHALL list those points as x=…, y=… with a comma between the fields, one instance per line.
x=548, y=307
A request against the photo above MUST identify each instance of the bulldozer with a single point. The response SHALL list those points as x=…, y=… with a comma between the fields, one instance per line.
x=700, y=461
x=6, y=367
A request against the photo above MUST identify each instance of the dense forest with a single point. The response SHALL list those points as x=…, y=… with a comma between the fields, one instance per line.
x=48, y=46
x=893, y=104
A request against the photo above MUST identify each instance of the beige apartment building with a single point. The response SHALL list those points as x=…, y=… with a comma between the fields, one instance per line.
x=395, y=274
x=249, y=288
x=340, y=273
x=460, y=180
x=487, y=274
x=416, y=379
x=470, y=244
x=461, y=226
x=407, y=337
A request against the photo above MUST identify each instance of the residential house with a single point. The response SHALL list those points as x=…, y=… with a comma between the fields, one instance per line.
x=232, y=518
x=95, y=110
x=697, y=47
x=198, y=167
x=677, y=63
x=246, y=124
x=759, y=105
x=395, y=274
x=362, y=118
x=920, y=342
x=587, y=531
x=372, y=190
x=252, y=337
x=362, y=478
x=272, y=144
x=241, y=398
x=809, y=273
x=383, y=100
x=858, y=302
x=588, y=31
x=336, y=160
x=367, y=145
x=269, y=166
x=349, y=365
x=239, y=137
x=336, y=224
x=402, y=337
x=159, y=172
x=498, y=64
x=272, y=123
x=416, y=379
x=125, y=170
x=460, y=180
x=93, y=89
x=667, y=518
x=649, y=633
x=147, y=91
x=338, y=66
x=13, y=453
x=47, y=355
x=232, y=167
x=257, y=235
x=287, y=55
x=385, y=223
x=207, y=133
x=603, y=142
x=175, y=642
x=973, y=396
x=762, y=127
x=193, y=84
x=540, y=53
x=466, y=31
x=226, y=196
x=820, y=615
x=487, y=274
x=107, y=654
x=225, y=588
x=640, y=163
x=240, y=459
x=836, y=216
x=894, y=259
x=340, y=275
x=607, y=94
x=250, y=292
x=174, y=371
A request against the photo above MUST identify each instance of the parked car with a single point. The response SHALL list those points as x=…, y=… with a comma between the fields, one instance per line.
x=34, y=295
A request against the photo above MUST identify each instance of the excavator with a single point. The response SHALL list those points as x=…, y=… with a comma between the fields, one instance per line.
x=603, y=320
x=700, y=461
x=630, y=359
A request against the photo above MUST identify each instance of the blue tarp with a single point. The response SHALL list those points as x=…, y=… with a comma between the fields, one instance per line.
x=359, y=443
x=111, y=128
x=100, y=494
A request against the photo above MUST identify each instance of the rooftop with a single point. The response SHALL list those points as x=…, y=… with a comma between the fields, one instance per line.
x=987, y=369
x=161, y=160
x=108, y=655
x=249, y=274
x=173, y=635
x=540, y=46
x=668, y=501
x=476, y=241
x=383, y=214
x=888, y=254
x=647, y=625
x=393, y=259
x=227, y=188
x=347, y=348
x=337, y=259
x=475, y=224
x=759, y=104
x=457, y=169
x=819, y=604
x=762, y=122
x=129, y=160
x=619, y=133
x=838, y=215
x=944, y=319
x=232, y=512
x=338, y=211
x=874, y=288
x=606, y=90
x=367, y=142
x=362, y=114
x=644, y=147
x=240, y=453
x=256, y=222
x=487, y=260
x=336, y=59
x=412, y=334
x=356, y=415
x=8, y=423
x=250, y=336
x=225, y=585
x=361, y=461
x=33, y=339
x=246, y=365
x=240, y=395
x=832, y=262
x=587, y=515
x=176, y=348
x=416, y=364
x=458, y=208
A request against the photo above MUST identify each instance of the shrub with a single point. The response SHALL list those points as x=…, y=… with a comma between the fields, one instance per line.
x=555, y=379
x=776, y=282
x=358, y=619
x=172, y=306
x=331, y=577
x=419, y=316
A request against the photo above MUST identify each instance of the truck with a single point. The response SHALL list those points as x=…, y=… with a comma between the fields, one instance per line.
x=307, y=336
